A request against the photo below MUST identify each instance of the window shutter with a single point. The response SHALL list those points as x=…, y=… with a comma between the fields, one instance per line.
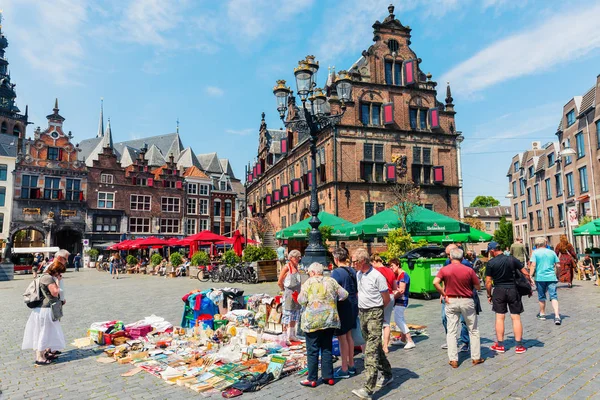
x=362, y=170
x=276, y=196
x=262, y=167
x=388, y=113
x=434, y=118
x=178, y=185
x=322, y=175
x=145, y=168
x=310, y=178
x=269, y=200
x=409, y=72
x=164, y=183
x=305, y=181
x=60, y=195
x=284, y=146
x=254, y=171
x=285, y=191
x=438, y=174
x=296, y=186
x=60, y=154
x=150, y=182
x=390, y=172
x=81, y=196
x=269, y=159
x=38, y=193
x=133, y=181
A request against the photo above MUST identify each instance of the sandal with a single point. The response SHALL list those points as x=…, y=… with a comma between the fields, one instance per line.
x=48, y=355
x=45, y=362
x=308, y=383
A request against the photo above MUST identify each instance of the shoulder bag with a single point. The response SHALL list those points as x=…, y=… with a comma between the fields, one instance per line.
x=521, y=282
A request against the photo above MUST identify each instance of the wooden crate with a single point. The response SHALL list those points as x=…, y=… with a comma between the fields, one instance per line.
x=267, y=271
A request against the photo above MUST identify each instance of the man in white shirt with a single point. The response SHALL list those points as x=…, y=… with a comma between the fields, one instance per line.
x=373, y=296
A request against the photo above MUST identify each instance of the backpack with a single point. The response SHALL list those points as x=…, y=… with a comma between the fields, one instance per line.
x=33, y=296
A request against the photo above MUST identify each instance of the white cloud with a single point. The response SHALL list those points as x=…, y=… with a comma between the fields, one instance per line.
x=536, y=123
x=563, y=37
x=49, y=38
x=214, y=91
x=240, y=132
x=147, y=21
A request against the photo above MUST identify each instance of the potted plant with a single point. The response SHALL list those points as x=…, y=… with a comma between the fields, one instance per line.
x=199, y=258
x=93, y=255
x=265, y=259
x=131, y=262
x=176, y=261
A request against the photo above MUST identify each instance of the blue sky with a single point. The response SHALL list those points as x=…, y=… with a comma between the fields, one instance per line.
x=212, y=64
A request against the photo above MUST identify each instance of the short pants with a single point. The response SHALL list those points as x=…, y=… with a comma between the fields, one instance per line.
x=290, y=316
x=542, y=287
x=505, y=299
x=387, y=313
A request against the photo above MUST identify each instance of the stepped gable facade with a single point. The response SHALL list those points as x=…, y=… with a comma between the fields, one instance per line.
x=394, y=131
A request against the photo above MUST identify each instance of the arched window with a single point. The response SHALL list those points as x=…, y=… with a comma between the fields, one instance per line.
x=4, y=127
x=17, y=130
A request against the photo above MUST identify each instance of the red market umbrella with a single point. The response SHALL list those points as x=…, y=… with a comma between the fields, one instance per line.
x=237, y=243
x=205, y=236
x=151, y=241
x=124, y=245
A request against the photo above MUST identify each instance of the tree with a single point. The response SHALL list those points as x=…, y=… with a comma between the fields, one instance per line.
x=474, y=223
x=585, y=219
x=398, y=242
x=200, y=258
x=484, y=201
x=259, y=226
x=407, y=196
x=504, y=233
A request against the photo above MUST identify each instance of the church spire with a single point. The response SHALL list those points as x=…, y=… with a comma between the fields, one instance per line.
x=107, y=137
x=101, y=121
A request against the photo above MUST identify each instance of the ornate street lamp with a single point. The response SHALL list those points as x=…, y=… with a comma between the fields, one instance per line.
x=312, y=119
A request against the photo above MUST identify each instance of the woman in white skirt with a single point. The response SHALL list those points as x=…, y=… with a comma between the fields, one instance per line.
x=42, y=333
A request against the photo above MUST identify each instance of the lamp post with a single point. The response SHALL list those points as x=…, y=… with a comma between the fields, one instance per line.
x=566, y=152
x=312, y=119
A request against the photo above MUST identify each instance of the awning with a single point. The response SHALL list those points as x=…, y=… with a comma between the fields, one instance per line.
x=25, y=250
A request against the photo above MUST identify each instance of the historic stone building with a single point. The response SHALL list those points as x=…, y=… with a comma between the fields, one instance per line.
x=394, y=131
x=198, y=188
x=50, y=187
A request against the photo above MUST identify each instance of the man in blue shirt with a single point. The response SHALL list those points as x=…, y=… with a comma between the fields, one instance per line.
x=543, y=262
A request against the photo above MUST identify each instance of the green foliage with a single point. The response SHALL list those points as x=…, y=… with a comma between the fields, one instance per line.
x=484, y=201
x=176, y=259
x=230, y=258
x=255, y=253
x=326, y=232
x=585, y=219
x=504, y=234
x=93, y=253
x=399, y=242
x=155, y=259
x=131, y=260
x=200, y=258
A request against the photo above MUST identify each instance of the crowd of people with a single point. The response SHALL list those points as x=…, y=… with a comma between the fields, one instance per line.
x=116, y=263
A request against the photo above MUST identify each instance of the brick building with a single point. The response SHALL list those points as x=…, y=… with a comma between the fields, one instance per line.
x=394, y=129
x=50, y=185
x=550, y=192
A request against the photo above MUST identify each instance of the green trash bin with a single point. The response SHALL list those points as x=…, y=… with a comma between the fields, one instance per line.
x=421, y=272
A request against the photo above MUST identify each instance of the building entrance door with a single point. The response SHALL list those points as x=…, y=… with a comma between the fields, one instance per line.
x=69, y=240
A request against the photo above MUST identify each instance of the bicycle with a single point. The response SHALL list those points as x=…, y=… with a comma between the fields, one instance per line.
x=205, y=273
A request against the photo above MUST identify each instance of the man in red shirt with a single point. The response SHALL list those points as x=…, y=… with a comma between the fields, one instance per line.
x=459, y=282
x=390, y=278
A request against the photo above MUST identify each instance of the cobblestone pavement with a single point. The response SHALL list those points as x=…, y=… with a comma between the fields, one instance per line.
x=561, y=361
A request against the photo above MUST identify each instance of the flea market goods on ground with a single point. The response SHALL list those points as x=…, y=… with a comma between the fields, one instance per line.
x=226, y=342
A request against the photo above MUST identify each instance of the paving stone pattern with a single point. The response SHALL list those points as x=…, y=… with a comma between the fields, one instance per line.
x=561, y=361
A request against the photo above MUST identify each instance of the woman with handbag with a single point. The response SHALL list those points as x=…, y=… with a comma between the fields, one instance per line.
x=289, y=281
x=43, y=332
x=566, y=254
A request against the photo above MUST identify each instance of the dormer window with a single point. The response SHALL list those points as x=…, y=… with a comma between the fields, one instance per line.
x=222, y=185
x=393, y=45
x=570, y=118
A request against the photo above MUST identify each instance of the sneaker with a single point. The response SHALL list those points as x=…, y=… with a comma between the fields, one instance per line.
x=362, y=393
x=520, y=349
x=383, y=381
x=396, y=342
x=340, y=374
x=409, y=345
x=557, y=321
x=464, y=349
x=497, y=349
x=445, y=346
x=352, y=370
x=541, y=317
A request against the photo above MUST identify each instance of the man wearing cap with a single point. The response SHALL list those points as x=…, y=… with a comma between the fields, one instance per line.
x=459, y=282
x=505, y=297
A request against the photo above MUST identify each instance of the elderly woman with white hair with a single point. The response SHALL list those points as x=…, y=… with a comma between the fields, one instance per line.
x=320, y=319
x=289, y=282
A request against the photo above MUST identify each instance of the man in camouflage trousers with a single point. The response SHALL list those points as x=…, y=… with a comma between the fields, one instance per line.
x=373, y=296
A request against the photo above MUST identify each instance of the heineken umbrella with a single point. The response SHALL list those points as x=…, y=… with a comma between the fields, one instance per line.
x=420, y=222
x=298, y=231
x=589, y=229
x=474, y=236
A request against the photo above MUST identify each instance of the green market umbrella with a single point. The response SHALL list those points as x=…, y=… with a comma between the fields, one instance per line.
x=474, y=236
x=298, y=230
x=589, y=229
x=420, y=222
